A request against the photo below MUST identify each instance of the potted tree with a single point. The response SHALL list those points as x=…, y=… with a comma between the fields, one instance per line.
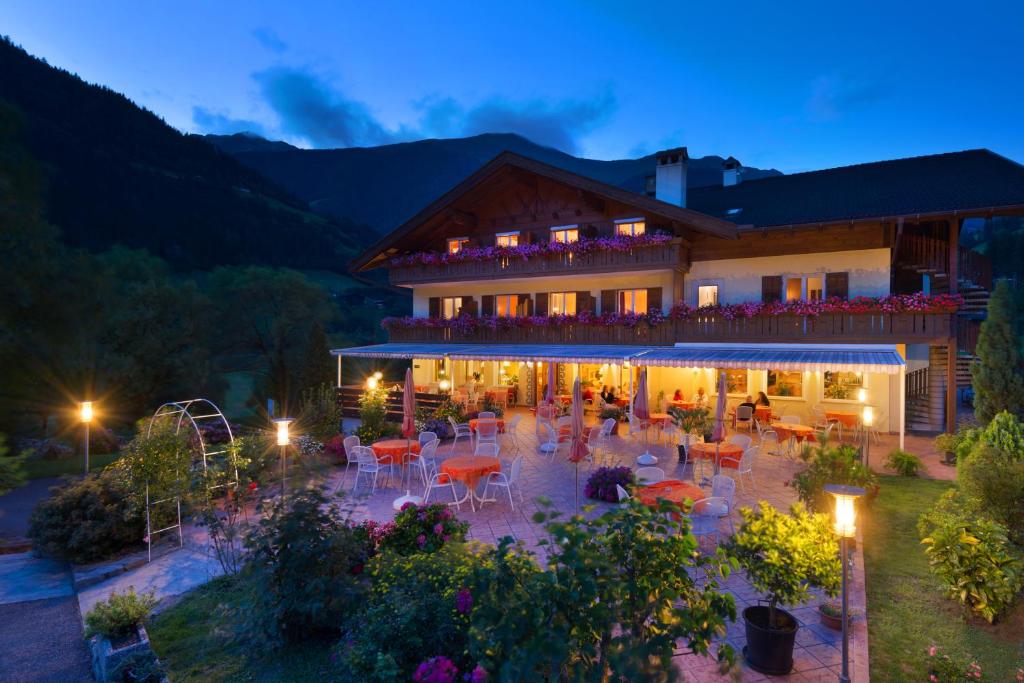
x=785, y=556
x=118, y=639
x=689, y=422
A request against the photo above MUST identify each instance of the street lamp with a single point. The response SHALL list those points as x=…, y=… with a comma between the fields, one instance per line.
x=283, y=440
x=846, y=528
x=86, y=415
x=444, y=385
x=371, y=382
x=378, y=375
x=867, y=419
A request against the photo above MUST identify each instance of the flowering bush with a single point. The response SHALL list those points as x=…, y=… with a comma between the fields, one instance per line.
x=942, y=668
x=309, y=447
x=335, y=449
x=422, y=529
x=620, y=243
x=601, y=484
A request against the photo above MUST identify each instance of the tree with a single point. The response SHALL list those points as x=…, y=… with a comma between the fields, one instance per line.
x=998, y=376
x=317, y=367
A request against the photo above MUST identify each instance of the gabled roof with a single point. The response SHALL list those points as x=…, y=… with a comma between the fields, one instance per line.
x=973, y=180
x=718, y=227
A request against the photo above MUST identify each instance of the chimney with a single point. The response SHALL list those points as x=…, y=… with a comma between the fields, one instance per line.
x=732, y=170
x=670, y=176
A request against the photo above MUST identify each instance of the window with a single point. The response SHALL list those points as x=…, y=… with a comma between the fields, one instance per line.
x=843, y=386
x=707, y=295
x=810, y=288
x=506, y=305
x=785, y=383
x=507, y=239
x=632, y=301
x=562, y=303
x=565, y=233
x=457, y=244
x=735, y=381
x=450, y=306
x=631, y=227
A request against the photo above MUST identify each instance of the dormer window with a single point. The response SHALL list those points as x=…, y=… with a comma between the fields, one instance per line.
x=457, y=244
x=565, y=234
x=630, y=227
x=507, y=239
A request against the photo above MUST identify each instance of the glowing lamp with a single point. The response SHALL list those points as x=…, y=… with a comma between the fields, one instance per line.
x=846, y=511
x=868, y=418
x=862, y=395
x=282, y=430
x=378, y=375
x=86, y=412
x=505, y=363
x=444, y=385
x=371, y=382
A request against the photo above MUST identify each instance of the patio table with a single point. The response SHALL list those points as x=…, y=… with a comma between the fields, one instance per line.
x=715, y=452
x=797, y=432
x=685, y=405
x=660, y=418
x=477, y=420
x=393, y=451
x=847, y=419
x=469, y=470
x=672, y=490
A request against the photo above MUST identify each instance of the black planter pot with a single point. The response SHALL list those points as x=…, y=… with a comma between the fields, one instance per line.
x=769, y=650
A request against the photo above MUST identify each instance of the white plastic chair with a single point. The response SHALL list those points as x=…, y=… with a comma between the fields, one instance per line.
x=646, y=476
x=461, y=430
x=506, y=481
x=594, y=443
x=622, y=493
x=349, y=443
x=790, y=419
x=487, y=415
x=741, y=440
x=704, y=516
x=724, y=487
x=426, y=437
x=434, y=480
x=770, y=442
x=489, y=449
x=512, y=432
x=745, y=418
x=745, y=465
x=549, y=442
x=367, y=463
x=487, y=431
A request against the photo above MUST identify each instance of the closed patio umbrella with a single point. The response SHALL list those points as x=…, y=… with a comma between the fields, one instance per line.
x=642, y=412
x=579, y=449
x=723, y=388
x=549, y=395
x=408, y=414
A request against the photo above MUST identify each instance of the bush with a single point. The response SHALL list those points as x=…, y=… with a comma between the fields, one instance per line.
x=11, y=474
x=320, y=415
x=489, y=404
x=102, y=441
x=994, y=486
x=442, y=428
x=119, y=615
x=972, y=557
x=424, y=529
x=449, y=408
x=601, y=484
x=611, y=412
x=51, y=449
x=86, y=520
x=304, y=567
x=335, y=449
x=942, y=668
x=905, y=464
x=830, y=465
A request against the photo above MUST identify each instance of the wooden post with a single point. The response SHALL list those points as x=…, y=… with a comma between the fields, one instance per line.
x=951, y=350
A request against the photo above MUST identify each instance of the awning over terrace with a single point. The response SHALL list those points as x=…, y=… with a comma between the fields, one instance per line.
x=570, y=353
x=429, y=351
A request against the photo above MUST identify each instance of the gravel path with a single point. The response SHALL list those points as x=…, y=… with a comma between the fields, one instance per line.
x=42, y=641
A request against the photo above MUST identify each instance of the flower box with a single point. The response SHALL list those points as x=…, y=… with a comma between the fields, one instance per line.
x=109, y=659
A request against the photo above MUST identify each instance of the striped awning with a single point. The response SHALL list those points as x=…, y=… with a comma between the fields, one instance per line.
x=429, y=351
x=569, y=353
x=877, y=358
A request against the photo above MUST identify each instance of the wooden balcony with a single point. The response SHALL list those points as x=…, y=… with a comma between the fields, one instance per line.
x=670, y=255
x=833, y=328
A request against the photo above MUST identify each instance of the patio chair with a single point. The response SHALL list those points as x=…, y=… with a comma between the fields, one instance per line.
x=649, y=475
x=790, y=419
x=368, y=464
x=426, y=437
x=770, y=442
x=512, y=433
x=636, y=425
x=745, y=465
x=461, y=430
x=594, y=444
x=622, y=493
x=745, y=418
x=348, y=443
x=487, y=415
x=434, y=480
x=549, y=439
x=489, y=449
x=741, y=440
x=723, y=487
x=506, y=481
x=873, y=431
x=487, y=431
x=704, y=516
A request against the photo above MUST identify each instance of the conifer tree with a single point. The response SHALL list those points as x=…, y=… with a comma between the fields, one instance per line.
x=998, y=376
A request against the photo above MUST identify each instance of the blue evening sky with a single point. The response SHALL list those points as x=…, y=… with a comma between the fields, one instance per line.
x=795, y=86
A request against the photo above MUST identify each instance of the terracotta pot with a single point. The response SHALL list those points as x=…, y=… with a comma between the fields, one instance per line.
x=833, y=622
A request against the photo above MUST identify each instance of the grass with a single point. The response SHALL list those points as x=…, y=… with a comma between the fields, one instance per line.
x=907, y=610
x=198, y=640
x=37, y=468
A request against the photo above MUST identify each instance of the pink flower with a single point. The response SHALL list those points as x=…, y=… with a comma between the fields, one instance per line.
x=422, y=540
x=479, y=675
x=932, y=650
x=438, y=529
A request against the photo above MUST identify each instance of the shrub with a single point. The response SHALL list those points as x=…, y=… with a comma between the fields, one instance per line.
x=994, y=487
x=335, y=449
x=102, y=441
x=373, y=412
x=693, y=421
x=601, y=484
x=158, y=457
x=422, y=529
x=998, y=376
x=972, y=557
x=304, y=566
x=830, y=465
x=449, y=408
x=942, y=668
x=119, y=615
x=11, y=474
x=440, y=427
x=86, y=520
x=490, y=405
x=905, y=464
x=320, y=415
x=51, y=449
x=611, y=412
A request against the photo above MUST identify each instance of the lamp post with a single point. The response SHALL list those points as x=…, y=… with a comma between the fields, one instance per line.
x=283, y=440
x=86, y=415
x=867, y=420
x=846, y=528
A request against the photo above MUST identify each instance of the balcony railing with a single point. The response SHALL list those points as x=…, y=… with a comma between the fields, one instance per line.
x=837, y=328
x=649, y=257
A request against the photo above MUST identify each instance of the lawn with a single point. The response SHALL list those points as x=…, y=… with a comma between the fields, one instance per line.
x=907, y=611
x=37, y=468
x=198, y=640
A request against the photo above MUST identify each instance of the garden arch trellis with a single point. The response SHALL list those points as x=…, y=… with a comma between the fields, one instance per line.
x=193, y=414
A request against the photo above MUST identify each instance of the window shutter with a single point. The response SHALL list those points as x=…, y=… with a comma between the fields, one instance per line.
x=654, y=298
x=584, y=302
x=589, y=231
x=609, y=301
x=542, y=303
x=487, y=304
x=771, y=288
x=838, y=285
x=468, y=306
x=525, y=304
x=434, y=307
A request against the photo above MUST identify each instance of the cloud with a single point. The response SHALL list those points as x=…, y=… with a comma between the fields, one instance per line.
x=209, y=121
x=269, y=39
x=833, y=96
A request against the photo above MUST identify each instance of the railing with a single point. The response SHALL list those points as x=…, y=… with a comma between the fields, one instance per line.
x=348, y=398
x=967, y=335
x=833, y=327
x=975, y=268
x=917, y=383
x=925, y=253
x=668, y=255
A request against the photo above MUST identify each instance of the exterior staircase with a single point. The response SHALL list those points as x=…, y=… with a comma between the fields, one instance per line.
x=926, y=392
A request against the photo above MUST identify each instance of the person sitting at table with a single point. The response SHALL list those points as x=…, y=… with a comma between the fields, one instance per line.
x=605, y=394
x=612, y=398
x=678, y=396
x=762, y=399
x=588, y=393
x=749, y=403
x=700, y=399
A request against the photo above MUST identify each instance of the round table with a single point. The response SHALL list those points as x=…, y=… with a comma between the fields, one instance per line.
x=797, y=432
x=843, y=417
x=672, y=490
x=469, y=470
x=660, y=418
x=716, y=451
x=685, y=405
x=393, y=451
x=501, y=423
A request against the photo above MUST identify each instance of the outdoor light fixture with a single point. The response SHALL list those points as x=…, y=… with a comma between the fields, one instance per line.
x=371, y=382
x=282, y=441
x=87, y=411
x=846, y=528
x=862, y=395
x=868, y=416
x=444, y=385
x=378, y=375
x=86, y=415
x=867, y=419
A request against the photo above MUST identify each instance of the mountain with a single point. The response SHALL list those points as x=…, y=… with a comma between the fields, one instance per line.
x=383, y=186
x=117, y=174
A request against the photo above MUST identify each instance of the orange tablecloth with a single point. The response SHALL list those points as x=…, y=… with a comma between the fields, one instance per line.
x=473, y=423
x=622, y=402
x=660, y=417
x=394, y=450
x=565, y=399
x=798, y=432
x=761, y=414
x=470, y=469
x=847, y=419
x=669, y=489
x=711, y=451
x=685, y=405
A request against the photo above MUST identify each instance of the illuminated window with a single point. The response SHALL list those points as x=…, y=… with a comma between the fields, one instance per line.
x=507, y=239
x=562, y=303
x=632, y=301
x=810, y=288
x=785, y=383
x=633, y=226
x=450, y=306
x=707, y=295
x=457, y=244
x=843, y=386
x=565, y=233
x=506, y=305
x=735, y=381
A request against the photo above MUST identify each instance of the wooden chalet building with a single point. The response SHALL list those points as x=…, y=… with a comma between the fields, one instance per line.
x=808, y=287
